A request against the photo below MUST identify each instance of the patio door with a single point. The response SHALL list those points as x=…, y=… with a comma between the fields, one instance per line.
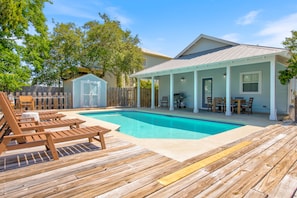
x=206, y=90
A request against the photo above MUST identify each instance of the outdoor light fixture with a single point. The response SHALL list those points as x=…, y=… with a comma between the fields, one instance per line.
x=182, y=79
x=224, y=75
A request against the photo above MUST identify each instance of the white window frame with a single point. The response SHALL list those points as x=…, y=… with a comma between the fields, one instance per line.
x=259, y=82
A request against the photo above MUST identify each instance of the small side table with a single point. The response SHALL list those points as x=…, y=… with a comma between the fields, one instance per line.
x=34, y=115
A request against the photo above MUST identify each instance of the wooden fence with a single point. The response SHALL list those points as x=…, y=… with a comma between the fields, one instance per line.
x=116, y=97
x=46, y=100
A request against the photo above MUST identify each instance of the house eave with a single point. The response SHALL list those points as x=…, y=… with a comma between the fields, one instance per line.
x=279, y=57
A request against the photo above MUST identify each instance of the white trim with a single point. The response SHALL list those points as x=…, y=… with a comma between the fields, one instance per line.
x=196, y=109
x=259, y=83
x=153, y=93
x=171, y=98
x=138, y=92
x=273, y=113
x=203, y=36
x=228, y=91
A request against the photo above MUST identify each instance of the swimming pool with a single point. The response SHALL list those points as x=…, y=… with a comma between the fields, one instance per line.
x=152, y=125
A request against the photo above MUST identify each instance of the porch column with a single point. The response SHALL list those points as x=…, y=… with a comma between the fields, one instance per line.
x=138, y=92
x=196, y=110
x=153, y=93
x=228, y=91
x=171, y=105
x=272, y=115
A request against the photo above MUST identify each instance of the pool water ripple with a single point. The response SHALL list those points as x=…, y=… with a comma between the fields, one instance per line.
x=151, y=125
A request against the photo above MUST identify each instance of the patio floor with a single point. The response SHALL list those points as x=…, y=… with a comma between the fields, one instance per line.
x=261, y=164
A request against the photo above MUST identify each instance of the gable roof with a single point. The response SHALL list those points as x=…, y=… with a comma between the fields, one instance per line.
x=202, y=37
x=87, y=77
x=149, y=52
x=228, y=53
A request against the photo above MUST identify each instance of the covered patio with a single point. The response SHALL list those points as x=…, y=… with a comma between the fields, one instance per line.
x=212, y=67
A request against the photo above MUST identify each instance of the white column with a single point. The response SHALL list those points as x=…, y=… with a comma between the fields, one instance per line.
x=196, y=109
x=228, y=91
x=171, y=96
x=138, y=92
x=153, y=93
x=272, y=115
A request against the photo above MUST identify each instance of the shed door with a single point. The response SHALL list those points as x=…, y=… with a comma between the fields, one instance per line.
x=90, y=93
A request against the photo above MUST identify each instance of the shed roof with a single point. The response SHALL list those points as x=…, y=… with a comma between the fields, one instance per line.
x=87, y=77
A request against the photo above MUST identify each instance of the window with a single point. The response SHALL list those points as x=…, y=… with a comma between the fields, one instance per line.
x=250, y=82
x=144, y=62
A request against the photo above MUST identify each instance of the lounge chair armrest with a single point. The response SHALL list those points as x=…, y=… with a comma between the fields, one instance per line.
x=28, y=121
x=27, y=135
x=20, y=119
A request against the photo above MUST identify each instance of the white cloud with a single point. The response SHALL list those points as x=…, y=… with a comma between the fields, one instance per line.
x=234, y=37
x=276, y=32
x=71, y=10
x=114, y=13
x=249, y=18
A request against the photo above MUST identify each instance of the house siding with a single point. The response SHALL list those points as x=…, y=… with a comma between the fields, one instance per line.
x=261, y=101
x=204, y=45
x=151, y=60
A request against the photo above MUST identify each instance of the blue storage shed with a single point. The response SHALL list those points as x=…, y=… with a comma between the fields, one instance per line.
x=87, y=91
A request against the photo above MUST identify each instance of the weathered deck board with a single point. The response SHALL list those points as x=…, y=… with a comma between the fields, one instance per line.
x=265, y=168
x=219, y=170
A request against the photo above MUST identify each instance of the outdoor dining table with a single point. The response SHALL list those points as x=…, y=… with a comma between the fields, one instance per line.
x=238, y=102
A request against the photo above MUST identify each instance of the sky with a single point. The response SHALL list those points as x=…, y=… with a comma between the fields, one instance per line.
x=169, y=26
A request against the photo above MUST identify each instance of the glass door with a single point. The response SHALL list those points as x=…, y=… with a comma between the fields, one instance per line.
x=206, y=90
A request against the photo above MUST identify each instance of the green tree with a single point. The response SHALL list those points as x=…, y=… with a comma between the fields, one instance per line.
x=290, y=43
x=109, y=48
x=65, y=47
x=23, y=41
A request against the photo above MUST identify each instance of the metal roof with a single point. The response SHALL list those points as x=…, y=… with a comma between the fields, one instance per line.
x=211, y=57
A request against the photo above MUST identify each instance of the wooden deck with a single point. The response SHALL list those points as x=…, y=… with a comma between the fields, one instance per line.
x=266, y=166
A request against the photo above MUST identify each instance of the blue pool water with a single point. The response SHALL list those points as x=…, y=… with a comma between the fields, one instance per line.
x=151, y=125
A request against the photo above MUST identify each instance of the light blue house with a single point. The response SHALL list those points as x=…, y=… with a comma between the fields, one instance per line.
x=87, y=91
x=214, y=67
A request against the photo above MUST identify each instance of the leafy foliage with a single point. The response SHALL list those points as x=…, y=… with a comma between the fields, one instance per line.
x=109, y=48
x=65, y=46
x=29, y=52
x=291, y=71
x=23, y=41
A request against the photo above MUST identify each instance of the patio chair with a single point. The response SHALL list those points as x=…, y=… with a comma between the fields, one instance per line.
x=164, y=101
x=47, y=115
x=209, y=103
x=26, y=102
x=30, y=124
x=248, y=107
x=18, y=140
x=220, y=104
